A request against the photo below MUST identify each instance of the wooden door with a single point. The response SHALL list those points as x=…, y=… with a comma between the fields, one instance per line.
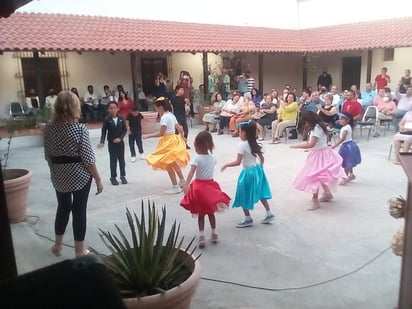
x=150, y=68
x=351, y=72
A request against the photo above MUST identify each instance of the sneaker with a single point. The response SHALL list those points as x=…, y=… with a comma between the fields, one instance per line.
x=202, y=242
x=326, y=197
x=344, y=181
x=114, y=181
x=314, y=205
x=123, y=180
x=174, y=190
x=245, y=223
x=214, y=238
x=268, y=218
x=133, y=159
x=141, y=156
x=220, y=132
x=376, y=134
x=351, y=177
x=182, y=183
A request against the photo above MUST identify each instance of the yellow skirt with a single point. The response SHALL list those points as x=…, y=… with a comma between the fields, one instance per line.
x=171, y=149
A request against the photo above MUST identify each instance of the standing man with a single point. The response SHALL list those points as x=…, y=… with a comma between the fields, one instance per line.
x=324, y=79
x=250, y=82
x=382, y=80
x=180, y=104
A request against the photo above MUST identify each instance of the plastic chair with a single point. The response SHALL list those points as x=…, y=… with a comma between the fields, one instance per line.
x=369, y=120
x=287, y=130
x=17, y=111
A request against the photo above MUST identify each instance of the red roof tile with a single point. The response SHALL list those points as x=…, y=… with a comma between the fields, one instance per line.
x=28, y=31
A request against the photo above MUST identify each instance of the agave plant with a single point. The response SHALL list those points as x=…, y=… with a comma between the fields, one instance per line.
x=148, y=263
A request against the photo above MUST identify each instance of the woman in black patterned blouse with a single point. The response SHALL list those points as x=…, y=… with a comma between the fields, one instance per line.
x=72, y=166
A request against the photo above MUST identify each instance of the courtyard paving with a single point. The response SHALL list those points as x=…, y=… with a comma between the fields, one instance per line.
x=303, y=260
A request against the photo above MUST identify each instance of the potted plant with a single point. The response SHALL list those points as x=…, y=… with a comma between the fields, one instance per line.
x=16, y=181
x=153, y=269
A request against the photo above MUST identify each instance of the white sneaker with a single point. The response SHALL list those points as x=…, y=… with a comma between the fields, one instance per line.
x=133, y=159
x=174, y=190
x=141, y=156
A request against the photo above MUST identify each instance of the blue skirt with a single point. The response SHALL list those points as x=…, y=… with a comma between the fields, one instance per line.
x=350, y=153
x=252, y=186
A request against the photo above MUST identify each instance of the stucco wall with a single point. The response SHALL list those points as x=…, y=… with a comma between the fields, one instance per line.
x=99, y=69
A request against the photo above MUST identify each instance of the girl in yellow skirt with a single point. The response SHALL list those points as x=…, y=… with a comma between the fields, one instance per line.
x=171, y=153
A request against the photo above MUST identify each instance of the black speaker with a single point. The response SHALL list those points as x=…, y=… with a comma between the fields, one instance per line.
x=79, y=283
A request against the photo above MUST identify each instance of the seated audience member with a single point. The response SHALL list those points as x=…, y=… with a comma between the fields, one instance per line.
x=287, y=116
x=404, y=105
x=305, y=98
x=231, y=107
x=378, y=99
x=406, y=81
x=265, y=116
x=386, y=110
x=32, y=102
x=256, y=97
x=367, y=96
x=212, y=116
x=352, y=106
x=91, y=104
x=50, y=99
x=404, y=136
x=328, y=112
x=336, y=95
x=247, y=108
x=312, y=105
x=107, y=97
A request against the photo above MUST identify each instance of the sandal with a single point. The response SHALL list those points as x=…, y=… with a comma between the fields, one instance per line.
x=56, y=250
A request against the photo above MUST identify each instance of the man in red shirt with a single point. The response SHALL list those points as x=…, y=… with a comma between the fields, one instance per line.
x=382, y=80
x=352, y=106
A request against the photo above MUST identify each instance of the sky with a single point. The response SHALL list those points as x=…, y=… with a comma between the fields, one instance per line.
x=286, y=14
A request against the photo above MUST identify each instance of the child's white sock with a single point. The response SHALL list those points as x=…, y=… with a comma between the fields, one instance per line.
x=213, y=231
x=201, y=233
x=268, y=212
x=248, y=218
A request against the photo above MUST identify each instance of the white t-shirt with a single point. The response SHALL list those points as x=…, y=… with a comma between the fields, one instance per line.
x=205, y=166
x=322, y=138
x=248, y=159
x=349, y=135
x=169, y=120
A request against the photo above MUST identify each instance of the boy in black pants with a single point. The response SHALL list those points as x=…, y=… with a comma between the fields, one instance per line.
x=115, y=127
x=134, y=128
x=179, y=104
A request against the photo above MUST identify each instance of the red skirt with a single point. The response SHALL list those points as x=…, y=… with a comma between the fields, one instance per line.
x=205, y=197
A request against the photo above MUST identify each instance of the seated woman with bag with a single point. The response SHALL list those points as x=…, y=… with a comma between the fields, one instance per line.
x=404, y=136
x=265, y=116
x=245, y=113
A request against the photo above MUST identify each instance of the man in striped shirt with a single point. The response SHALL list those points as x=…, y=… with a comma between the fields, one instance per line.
x=250, y=81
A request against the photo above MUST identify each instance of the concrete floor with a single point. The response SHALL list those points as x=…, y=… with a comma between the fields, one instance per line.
x=299, y=249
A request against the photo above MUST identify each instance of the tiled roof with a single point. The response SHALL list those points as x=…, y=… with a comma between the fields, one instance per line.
x=28, y=31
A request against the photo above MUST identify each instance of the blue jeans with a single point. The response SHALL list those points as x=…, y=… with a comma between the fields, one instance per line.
x=397, y=118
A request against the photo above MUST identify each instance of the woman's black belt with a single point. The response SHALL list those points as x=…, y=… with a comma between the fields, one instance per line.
x=65, y=160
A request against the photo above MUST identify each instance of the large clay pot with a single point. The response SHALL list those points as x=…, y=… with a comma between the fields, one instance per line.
x=149, y=122
x=179, y=297
x=17, y=191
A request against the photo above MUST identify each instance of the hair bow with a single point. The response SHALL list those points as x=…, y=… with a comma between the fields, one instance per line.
x=244, y=123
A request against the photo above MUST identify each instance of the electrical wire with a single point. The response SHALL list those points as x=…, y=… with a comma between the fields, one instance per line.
x=347, y=274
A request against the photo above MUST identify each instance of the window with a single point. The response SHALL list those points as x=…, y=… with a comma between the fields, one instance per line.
x=388, y=54
x=50, y=74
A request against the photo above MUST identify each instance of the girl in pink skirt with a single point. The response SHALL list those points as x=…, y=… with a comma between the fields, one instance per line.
x=203, y=196
x=323, y=166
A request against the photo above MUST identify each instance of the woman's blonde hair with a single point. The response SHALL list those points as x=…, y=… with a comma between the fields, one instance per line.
x=66, y=107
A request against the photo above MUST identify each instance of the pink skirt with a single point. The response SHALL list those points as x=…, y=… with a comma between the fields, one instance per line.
x=205, y=197
x=322, y=166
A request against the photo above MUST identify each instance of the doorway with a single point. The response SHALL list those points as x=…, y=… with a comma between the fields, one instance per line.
x=150, y=68
x=351, y=72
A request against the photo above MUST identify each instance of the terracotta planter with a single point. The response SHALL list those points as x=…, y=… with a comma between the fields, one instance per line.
x=149, y=122
x=17, y=190
x=179, y=297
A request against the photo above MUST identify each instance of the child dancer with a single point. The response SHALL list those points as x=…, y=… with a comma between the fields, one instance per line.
x=171, y=153
x=252, y=184
x=348, y=150
x=323, y=164
x=204, y=196
x=134, y=128
x=115, y=127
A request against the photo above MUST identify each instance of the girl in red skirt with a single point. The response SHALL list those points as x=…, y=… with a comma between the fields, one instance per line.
x=203, y=196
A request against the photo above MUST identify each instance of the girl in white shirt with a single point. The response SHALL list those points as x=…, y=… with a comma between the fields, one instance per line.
x=171, y=153
x=322, y=168
x=203, y=196
x=252, y=184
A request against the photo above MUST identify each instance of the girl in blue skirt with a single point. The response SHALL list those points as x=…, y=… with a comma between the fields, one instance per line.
x=252, y=184
x=348, y=150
